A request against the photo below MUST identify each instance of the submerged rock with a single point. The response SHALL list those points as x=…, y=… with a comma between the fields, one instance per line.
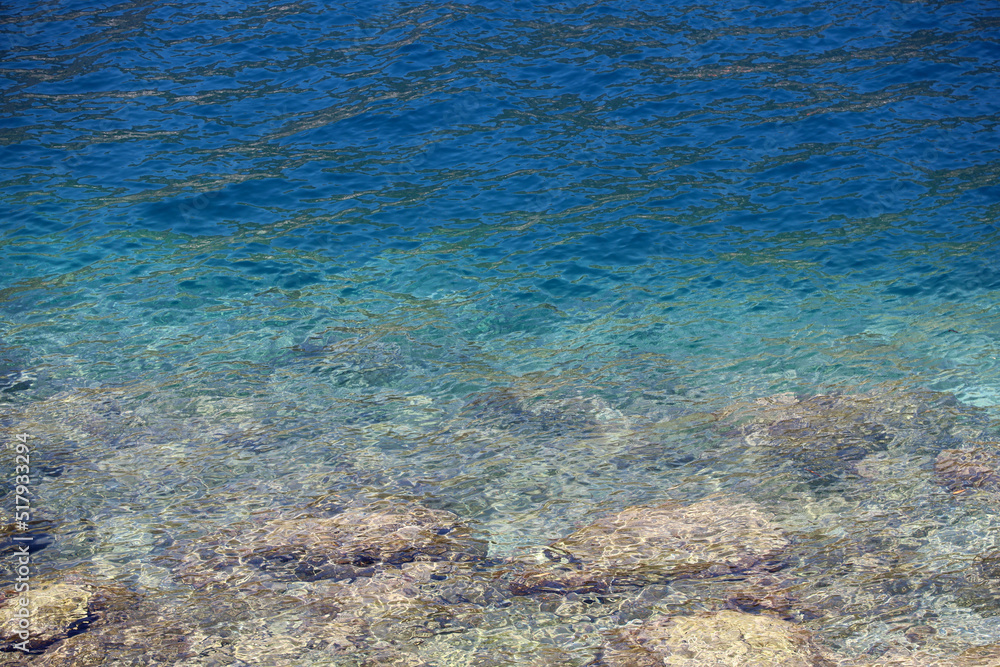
x=988, y=567
x=64, y=428
x=347, y=621
x=647, y=544
x=358, y=542
x=343, y=587
x=508, y=409
x=14, y=381
x=331, y=639
x=56, y=610
x=12, y=539
x=88, y=414
x=977, y=656
x=978, y=588
x=128, y=631
x=13, y=376
x=413, y=603
x=62, y=611
x=960, y=469
x=980, y=656
x=354, y=362
x=719, y=639
x=827, y=436
x=776, y=594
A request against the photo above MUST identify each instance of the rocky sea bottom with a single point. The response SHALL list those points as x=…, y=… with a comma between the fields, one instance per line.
x=515, y=526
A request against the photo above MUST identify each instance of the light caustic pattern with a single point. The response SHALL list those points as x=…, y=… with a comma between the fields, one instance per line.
x=525, y=266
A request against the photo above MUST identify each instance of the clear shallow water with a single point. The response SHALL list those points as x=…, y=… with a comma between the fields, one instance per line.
x=298, y=248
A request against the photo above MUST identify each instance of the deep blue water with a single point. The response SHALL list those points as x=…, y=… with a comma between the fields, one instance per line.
x=335, y=225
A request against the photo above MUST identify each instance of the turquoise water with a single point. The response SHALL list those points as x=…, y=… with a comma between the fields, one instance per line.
x=516, y=261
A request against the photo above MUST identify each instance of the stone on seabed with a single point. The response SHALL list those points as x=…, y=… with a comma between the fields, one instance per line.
x=959, y=469
x=646, y=544
x=56, y=608
x=719, y=639
x=355, y=543
x=977, y=656
x=81, y=621
x=828, y=436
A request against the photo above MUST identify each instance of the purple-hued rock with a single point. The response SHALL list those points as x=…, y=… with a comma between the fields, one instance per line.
x=959, y=469
x=826, y=436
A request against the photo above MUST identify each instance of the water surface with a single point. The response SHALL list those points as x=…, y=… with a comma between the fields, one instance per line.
x=516, y=261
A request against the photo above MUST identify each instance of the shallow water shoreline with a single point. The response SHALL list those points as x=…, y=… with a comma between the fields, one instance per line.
x=500, y=334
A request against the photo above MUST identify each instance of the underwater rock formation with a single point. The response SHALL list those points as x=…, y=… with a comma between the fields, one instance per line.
x=354, y=362
x=977, y=656
x=356, y=543
x=647, y=544
x=14, y=378
x=86, y=414
x=719, y=639
x=64, y=426
x=13, y=538
x=408, y=605
x=57, y=610
x=509, y=409
x=960, y=469
x=14, y=381
x=827, y=435
x=127, y=629
x=980, y=656
x=979, y=584
x=70, y=609
x=353, y=585
x=321, y=642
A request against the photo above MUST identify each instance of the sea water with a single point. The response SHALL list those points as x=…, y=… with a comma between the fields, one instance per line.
x=517, y=261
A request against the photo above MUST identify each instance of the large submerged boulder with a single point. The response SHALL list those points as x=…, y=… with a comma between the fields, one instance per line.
x=719, y=639
x=357, y=542
x=55, y=610
x=81, y=415
x=61, y=609
x=129, y=629
x=980, y=656
x=652, y=543
x=976, y=656
x=961, y=469
x=826, y=436
x=353, y=362
x=63, y=427
x=508, y=408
